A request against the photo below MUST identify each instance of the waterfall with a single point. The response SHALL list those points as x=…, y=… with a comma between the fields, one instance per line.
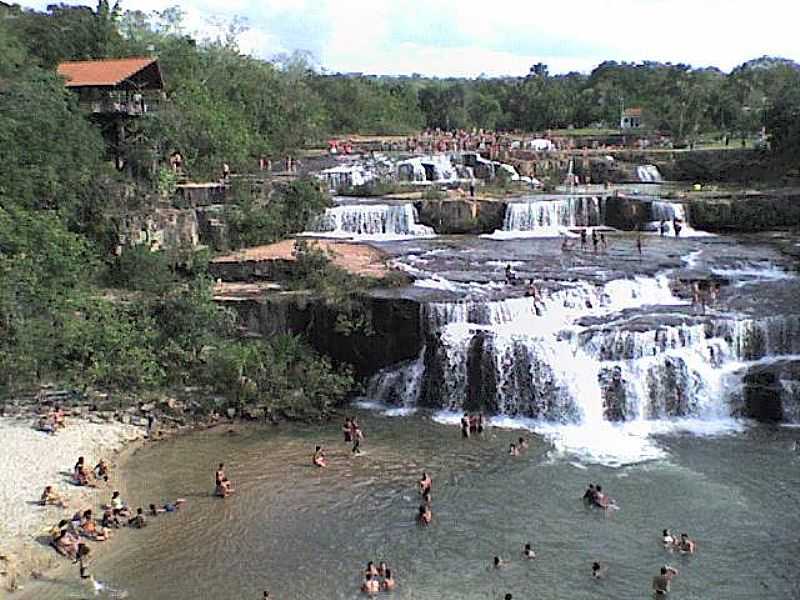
x=369, y=221
x=550, y=218
x=669, y=212
x=648, y=174
x=585, y=354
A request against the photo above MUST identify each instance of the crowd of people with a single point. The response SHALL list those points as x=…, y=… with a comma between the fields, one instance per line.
x=70, y=537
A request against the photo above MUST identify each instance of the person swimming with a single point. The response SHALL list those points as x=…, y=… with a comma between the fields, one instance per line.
x=661, y=582
x=512, y=450
x=370, y=585
x=522, y=443
x=498, y=562
x=425, y=483
x=319, y=459
x=424, y=516
x=597, y=570
x=667, y=538
x=388, y=583
x=528, y=552
x=588, y=495
x=686, y=545
x=371, y=569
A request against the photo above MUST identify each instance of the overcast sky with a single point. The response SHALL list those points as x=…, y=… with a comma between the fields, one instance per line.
x=500, y=37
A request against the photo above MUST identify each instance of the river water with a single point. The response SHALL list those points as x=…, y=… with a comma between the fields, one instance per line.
x=302, y=532
x=612, y=372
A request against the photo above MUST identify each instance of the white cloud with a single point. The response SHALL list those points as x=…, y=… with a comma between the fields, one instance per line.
x=467, y=37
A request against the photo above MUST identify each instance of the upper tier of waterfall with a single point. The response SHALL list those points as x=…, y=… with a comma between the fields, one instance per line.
x=379, y=222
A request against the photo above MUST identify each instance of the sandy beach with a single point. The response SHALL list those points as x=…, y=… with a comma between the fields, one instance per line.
x=30, y=460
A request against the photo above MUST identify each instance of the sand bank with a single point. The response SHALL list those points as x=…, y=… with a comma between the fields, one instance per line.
x=30, y=460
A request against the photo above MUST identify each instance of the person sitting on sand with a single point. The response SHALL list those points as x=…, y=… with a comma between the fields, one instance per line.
x=686, y=545
x=118, y=507
x=425, y=483
x=370, y=585
x=528, y=552
x=424, y=516
x=102, y=470
x=319, y=459
x=65, y=542
x=388, y=583
x=522, y=443
x=81, y=474
x=661, y=582
x=90, y=529
x=47, y=424
x=512, y=450
x=50, y=496
x=138, y=521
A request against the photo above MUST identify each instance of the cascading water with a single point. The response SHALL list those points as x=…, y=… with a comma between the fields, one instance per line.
x=668, y=213
x=649, y=174
x=550, y=218
x=576, y=360
x=369, y=222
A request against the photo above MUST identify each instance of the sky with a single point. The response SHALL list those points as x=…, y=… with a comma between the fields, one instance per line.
x=498, y=37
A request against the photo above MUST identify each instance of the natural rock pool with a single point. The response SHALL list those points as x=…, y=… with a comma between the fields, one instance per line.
x=617, y=376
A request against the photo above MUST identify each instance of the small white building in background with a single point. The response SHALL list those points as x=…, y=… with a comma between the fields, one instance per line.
x=631, y=119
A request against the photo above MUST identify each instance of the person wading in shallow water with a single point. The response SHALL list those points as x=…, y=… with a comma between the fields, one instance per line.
x=661, y=582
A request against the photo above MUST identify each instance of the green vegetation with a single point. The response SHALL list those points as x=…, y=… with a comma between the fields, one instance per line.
x=75, y=310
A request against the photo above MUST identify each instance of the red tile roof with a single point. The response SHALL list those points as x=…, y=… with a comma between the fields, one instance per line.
x=99, y=73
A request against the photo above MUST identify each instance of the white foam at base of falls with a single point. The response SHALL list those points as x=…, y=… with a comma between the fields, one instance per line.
x=369, y=222
x=609, y=444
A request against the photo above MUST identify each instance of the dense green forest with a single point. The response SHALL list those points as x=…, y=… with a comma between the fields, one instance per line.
x=73, y=312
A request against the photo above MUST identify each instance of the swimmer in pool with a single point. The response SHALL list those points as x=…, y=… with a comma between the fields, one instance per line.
x=667, y=538
x=686, y=545
x=388, y=583
x=370, y=584
x=425, y=483
x=424, y=516
x=661, y=582
x=319, y=459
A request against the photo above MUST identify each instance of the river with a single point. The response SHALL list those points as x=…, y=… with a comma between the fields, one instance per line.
x=612, y=371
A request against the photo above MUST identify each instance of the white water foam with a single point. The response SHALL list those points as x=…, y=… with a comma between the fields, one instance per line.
x=609, y=444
